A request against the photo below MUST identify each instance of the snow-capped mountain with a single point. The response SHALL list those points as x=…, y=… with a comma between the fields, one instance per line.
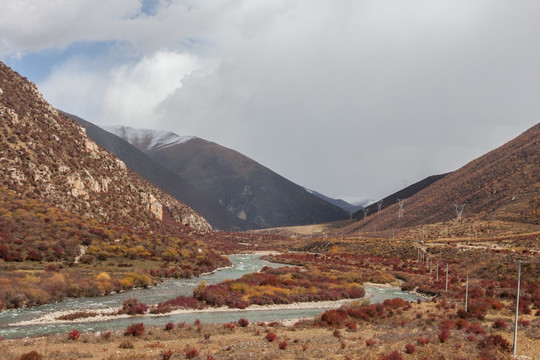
x=147, y=139
x=245, y=188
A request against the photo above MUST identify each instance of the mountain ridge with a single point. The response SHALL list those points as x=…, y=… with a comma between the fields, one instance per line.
x=219, y=218
x=244, y=187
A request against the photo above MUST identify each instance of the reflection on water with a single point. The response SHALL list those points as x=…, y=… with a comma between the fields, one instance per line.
x=242, y=264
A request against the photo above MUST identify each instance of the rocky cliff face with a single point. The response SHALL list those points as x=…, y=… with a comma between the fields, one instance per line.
x=45, y=155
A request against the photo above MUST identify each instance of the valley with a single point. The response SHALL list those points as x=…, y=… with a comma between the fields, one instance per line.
x=85, y=235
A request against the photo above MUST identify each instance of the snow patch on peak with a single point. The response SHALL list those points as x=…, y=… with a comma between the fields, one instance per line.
x=147, y=139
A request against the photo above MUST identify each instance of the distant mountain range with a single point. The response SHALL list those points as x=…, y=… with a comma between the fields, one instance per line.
x=215, y=176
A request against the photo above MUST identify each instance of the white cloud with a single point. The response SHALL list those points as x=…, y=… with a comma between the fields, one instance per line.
x=348, y=97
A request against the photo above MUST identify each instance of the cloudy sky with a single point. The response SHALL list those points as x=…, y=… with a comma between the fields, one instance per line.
x=352, y=98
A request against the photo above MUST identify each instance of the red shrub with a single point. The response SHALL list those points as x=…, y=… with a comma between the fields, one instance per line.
x=423, y=341
x=523, y=322
x=283, y=345
x=169, y=326
x=166, y=354
x=334, y=317
x=133, y=307
x=500, y=324
x=229, y=326
x=74, y=335
x=351, y=325
x=461, y=324
x=243, y=322
x=191, y=353
x=444, y=335
x=476, y=328
x=370, y=342
x=134, y=330
x=495, y=341
x=32, y=355
x=410, y=348
x=394, y=355
x=271, y=336
x=337, y=333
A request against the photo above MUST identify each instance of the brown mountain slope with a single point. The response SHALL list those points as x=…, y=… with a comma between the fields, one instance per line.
x=247, y=189
x=45, y=155
x=502, y=185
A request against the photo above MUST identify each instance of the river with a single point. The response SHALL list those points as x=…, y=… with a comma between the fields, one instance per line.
x=242, y=264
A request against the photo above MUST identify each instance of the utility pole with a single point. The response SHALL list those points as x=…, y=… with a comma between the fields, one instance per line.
x=459, y=210
x=446, y=278
x=379, y=204
x=400, y=212
x=365, y=210
x=467, y=293
x=517, y=309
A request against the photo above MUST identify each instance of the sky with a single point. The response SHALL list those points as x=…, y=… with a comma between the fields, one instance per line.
x=354, y=99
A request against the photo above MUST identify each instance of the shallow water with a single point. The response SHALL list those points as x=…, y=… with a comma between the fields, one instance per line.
x=242, y=264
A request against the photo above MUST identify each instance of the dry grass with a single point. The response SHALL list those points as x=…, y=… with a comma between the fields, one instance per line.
x=304, y=341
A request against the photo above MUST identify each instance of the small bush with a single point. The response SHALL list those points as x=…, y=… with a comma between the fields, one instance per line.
x=32, y=355
x=271, y=336
x=337, y=333
x=410, y=348
x=167, y=354
x=523, y=322
x=135, y=330
x=192, y=353
x=394, y=355
x=229, y=326
x=242, y=322
x=423, y=341
x=169, y=326
x=107, y=335
x=500, y=324
x=334, y=317
x=74, y=335
x=370, y=342
x=283, y=345
x=444, y=335
x=495, y=341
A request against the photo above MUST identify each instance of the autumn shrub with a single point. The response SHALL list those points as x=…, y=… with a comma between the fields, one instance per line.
x=136, y=329
x=523, y=322
x=476, y=329
x=394, y=355
x=461, y=324
x=495, y=341
x=229, y=326
x=167, y=354
x=410, y=348
x=74, y=335
x=191, y=353
x=32, y=355
x=107, y=335
x=243, y=322
x=351, y=325
x=283, y=345
x=133, y=307
x=370, y=342
x=423, y=341
x=500, y=324
x=169, y=326
x=334, y=317
x=270, y=336
x=444, y=335
x=337, y=333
